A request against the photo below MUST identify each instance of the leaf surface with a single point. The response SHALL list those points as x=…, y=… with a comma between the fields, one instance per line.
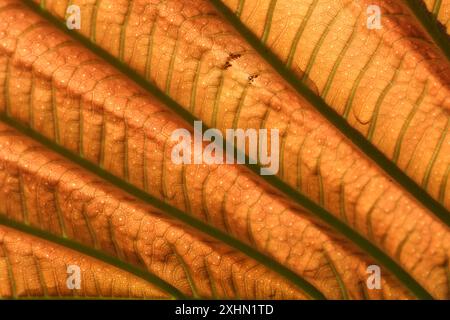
x=35, y=268
x=189, y=52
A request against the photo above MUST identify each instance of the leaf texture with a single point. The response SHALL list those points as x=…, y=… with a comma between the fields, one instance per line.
x=386, y=84
x=261, y=211
x=390, y=84
x=32, y=267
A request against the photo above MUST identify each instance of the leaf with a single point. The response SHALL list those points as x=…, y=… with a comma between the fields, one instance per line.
x=143, y=106
x=187, y=55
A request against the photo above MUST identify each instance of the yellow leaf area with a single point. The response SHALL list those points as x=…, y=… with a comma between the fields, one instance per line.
x=390, y=85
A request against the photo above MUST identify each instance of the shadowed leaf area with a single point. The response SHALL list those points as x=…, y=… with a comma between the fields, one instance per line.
x=86, y=170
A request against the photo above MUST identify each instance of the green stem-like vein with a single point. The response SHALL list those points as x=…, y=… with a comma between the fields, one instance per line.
x=428, y=22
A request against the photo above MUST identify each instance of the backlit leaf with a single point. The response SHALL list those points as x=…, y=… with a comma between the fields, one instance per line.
x=102, y=106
